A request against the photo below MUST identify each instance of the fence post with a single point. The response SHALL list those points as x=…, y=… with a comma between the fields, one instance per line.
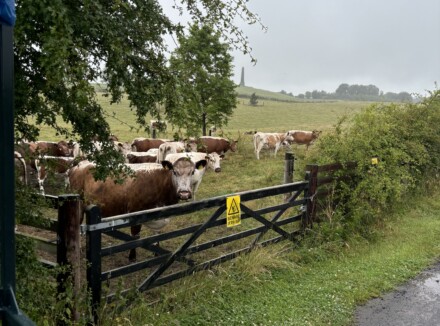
x=312, y=177
x=93, y=255
x=289, y=162
x=68, y=249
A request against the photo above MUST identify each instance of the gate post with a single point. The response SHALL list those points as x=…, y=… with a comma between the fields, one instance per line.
x=289, y=162
x=93, y=255
x=312, y=177
x=68, y=248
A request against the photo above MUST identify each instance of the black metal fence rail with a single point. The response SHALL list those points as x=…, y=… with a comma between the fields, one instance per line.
x=164, y=259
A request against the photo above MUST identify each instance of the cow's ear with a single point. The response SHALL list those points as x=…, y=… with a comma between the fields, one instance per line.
x=222, y=156
x=167, y=165
x=201, y=164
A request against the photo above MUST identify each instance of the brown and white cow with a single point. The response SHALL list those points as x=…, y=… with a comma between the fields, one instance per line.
x=50, y=148
x=78, y=152
x=144, y=144
x=302, y=137
x=51, y=164
x=213, y=159
x=175, y=147
x=147, y=189
x=213, y=162
x=20, y=168
x=144, y=166
x=141, y=157
x=210, y=144
x=270, y=140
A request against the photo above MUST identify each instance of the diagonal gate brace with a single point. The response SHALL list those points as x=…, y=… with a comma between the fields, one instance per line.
x=269, y=224
x=275, y=218
x=181, y=251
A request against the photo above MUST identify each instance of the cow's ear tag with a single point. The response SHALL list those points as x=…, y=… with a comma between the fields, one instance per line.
x=200, y=167
x=166, y=167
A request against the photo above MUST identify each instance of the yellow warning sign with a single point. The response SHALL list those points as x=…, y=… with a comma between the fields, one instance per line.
x=233, y=213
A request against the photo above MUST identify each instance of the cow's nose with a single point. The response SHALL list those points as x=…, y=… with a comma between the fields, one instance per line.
x=185, y=195
x=218, y=170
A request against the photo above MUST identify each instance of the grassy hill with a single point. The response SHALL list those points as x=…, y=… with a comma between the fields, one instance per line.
x=246, y=92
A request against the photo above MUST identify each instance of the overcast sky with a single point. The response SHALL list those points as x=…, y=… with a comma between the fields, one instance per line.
x=319, y=44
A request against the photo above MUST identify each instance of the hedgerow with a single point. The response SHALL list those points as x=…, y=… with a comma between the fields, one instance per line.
x=405, y=139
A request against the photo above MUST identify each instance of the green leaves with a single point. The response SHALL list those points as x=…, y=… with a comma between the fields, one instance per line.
x=205, y=94
x=63, y=46
x=406, y=141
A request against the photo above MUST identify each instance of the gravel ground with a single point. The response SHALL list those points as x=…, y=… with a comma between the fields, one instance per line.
x=416, y=303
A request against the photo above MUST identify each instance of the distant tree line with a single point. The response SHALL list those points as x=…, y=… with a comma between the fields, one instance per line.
x=356, y=93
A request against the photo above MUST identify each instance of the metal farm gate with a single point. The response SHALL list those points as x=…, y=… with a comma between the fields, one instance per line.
x=192, y=241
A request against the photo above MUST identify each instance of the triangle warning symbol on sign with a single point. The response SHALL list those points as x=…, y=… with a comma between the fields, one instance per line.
x=233, y=209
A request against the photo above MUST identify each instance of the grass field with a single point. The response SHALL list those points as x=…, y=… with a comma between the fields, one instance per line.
x=269, y=116
x=282, y=285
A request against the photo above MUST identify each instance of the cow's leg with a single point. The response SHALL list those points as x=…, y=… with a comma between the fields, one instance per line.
x=135, y=232
x=257, y=151
x=41, y=175
x=277, y=146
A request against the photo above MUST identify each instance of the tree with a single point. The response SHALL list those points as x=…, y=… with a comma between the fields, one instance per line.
x=253, y=100
x=205, y=93
x=62, y=47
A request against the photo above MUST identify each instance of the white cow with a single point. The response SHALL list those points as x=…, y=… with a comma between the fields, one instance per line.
x=196, y=178
x=144, y=166
x=213, y=159
x=187, y=145
x=272, y=141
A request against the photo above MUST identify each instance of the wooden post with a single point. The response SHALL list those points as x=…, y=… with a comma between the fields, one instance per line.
x=312, y=177
x=93, y=255
x=68, y=248
x=289, y=162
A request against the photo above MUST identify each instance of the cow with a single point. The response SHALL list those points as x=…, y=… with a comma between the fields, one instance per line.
x=145, y=190
x=144, y=144
x=272, y=141
x=209, y=144
x=144, y=166
x=53, y=164
x=302, y=137
x=120, y=147
x=198, y=174
x=213, y=159
x=50, y=148
x=175, y=147
x=141, y=157
x=20, y=168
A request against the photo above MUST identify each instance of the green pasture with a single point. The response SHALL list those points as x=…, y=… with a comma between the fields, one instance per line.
x=268, y=116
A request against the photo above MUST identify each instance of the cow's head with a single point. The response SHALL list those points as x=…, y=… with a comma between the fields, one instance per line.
x=213, y=160
x=63, y=149
x=316, y=133
x=233, y=145
x=182, y=171
x=288, y=139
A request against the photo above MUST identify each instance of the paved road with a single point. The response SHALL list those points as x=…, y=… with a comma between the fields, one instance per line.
x=416, y=303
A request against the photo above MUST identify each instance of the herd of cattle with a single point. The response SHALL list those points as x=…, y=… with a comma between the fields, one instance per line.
x=164, y=171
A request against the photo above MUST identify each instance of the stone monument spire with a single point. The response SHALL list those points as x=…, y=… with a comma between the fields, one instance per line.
x=242, y=77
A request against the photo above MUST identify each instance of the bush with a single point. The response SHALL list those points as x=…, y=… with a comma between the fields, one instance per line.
x=406, y=140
